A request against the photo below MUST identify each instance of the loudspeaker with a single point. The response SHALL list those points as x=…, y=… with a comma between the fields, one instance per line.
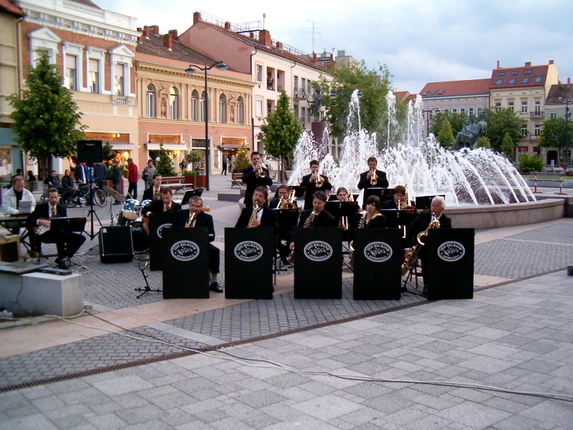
x=90, y=151
x=115, y=244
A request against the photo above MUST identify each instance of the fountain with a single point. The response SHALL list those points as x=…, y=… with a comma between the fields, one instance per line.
x=471, y=179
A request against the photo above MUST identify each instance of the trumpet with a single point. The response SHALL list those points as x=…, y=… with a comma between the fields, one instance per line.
x=318, y=181
x=259, y=171
x=373, y=177
x=288, y=203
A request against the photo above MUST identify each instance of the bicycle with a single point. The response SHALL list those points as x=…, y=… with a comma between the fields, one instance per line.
x=79, y=196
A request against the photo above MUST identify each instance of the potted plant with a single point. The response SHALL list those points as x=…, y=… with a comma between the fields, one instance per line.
x=192, y=176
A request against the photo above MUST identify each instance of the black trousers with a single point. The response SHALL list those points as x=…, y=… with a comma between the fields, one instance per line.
x=214, y=258
x=67, y=244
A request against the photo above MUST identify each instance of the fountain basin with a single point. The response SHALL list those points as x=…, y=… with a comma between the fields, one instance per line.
x=507, y=215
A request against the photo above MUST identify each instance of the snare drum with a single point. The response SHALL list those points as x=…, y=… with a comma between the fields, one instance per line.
x=140, y=239
x=130, y=210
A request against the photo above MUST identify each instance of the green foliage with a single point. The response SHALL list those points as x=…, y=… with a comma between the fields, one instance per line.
x=507, y=145
x=530, y=163
x=46, y=118
x=373, y=84
x=445, y=135
x=194, y=156
x=108, y=153
x=165, y=164
x=557, y=133
x=242, y=160
x=456, y=120
x=483, y=142
x=500, y=123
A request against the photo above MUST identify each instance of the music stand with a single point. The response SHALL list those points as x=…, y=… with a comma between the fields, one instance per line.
x=91, y=212
x=298, y=191
x=67, y=225
x=374, y=191
x=147, y=288
x=395, y=218
x=423, y=202
x=191, y=193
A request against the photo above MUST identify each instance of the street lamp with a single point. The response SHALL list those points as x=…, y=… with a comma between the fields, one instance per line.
x=190, y=70
x=428, y=113
x=567, y=116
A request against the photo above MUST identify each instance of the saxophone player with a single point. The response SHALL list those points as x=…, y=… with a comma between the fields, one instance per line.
x=312, y=183
x=286, y=222
x=373, y=177
x=421, y=223
x=258, y=214
x=317, y=216
x=195, y=217
x=254, y=176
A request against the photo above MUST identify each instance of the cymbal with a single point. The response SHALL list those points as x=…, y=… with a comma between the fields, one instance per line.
x=111, y=192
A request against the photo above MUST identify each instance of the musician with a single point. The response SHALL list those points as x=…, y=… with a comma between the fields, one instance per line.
x=154, y=191
x=163, y=204
x=321, y=218
x=67, y=243
x=286, y=224
x=421, y=223
x=312, y=183
x=371, y=217
x=255, y=176
x=12, y=198
x=265, y=216
x=373, y=177
x=399, y=200
x=342, y=195
x=195, y=217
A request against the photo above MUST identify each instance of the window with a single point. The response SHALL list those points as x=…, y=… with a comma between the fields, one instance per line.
x=471, y=111
x=515, y=72
x=537, y=108
x=527, y=72
x=302, y=114
x=425, y=93
x=308, y=88
x=195, y=105
x=240, y=110
x=433, y=92
x=259, y=107
x=538, y=79
x=523, y=107
x=71, y=78
x=525, y=81
x=203, y=106
x=441, y=92
x=501, y=74
x=537, y=130
x=511, y=106
x=552, y=115
x=462, y=110
x=295, y=111
x=498, y=106
x=94, y=75
x=295, y=85
x=524, y=131
x=223, y=108
x=119, y=80
x=259, y=73
x=499, y=82
x=151, y=101
x=454, y=110
x=174, y=102
x=120, y=59
x=511, y=81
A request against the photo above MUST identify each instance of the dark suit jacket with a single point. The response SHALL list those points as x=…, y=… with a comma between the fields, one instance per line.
x=148, y=194
x=324, y=219
x=156, y=207
x=422, y=221
x=251, y=181
x=378, y=222
x=381, y=180
x=202, y=220
x=268, y=219
x=389, y=204
x=310, y=188
x=43, y=211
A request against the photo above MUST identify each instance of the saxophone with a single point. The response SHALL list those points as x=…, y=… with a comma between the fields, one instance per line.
x=253, y=217
x=307, y=224
x=189, y=222
x=413, y=256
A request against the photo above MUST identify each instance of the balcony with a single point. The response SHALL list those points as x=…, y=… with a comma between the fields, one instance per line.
x=534, y=115
x=120, y=100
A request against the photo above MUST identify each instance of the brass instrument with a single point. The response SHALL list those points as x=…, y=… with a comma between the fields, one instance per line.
x=259, y=171
x=406, y=206
x=253, y=217
x=319, y=181
x=413, y=256
x=307, y=224
x=288, y=203
x=189, y=222
x=350, y=197
x=373, y=178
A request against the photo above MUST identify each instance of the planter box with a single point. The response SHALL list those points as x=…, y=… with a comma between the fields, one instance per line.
x=196, y=181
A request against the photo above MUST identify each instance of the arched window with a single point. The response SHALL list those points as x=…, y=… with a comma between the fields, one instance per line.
x=240, y=111
x=174, y=102
x=151, y=101
x=223, y=108
x=203, y=107
x=195, y=105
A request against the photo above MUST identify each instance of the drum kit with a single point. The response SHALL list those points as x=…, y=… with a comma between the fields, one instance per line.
x=130, y=215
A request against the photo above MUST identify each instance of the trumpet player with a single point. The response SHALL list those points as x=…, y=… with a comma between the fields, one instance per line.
x=286, y=223
x=195, y=217
x=373, y=177
x=254, y=176
x=398, y=201
x=312, y=183
x=258, y=214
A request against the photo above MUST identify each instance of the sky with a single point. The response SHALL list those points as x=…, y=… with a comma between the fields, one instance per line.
x=419, y=41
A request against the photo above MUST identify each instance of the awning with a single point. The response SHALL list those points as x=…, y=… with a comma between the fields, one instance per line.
x=126, y=146
x=224, y=147
x=169, y=146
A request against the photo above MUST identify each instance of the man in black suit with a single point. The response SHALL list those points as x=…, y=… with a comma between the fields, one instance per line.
x=398, y=201
x=321, y=217
x=255, y=176
x=67, y=243
x=195, y=217
x=421, y=223
x=373, y=177
x=286, y=220
x=265, y=216
x=163, y=204
x=154, y=191
x=312, y=183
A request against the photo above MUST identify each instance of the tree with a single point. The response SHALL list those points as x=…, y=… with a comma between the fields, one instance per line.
x=46, y=118
x=456, y=120
x=507, y=145
x=500, y=123
x=373, y=84
x=281, y=132
x=165, y=165
x=529, y=163
x=445, y=136
x=557, y=133
x=242, y=159
x=483, y=142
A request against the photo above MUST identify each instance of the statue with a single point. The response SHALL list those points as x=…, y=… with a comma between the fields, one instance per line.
x=471, y=132
x=316, y=104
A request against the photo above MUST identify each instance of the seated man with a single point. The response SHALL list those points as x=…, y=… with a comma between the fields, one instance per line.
x=286, y=221
x=11, y=201
x=259, y=214
x=39, y=222
x=154, y=191
x=53, y=181
x=195, y=217
x=163, y=204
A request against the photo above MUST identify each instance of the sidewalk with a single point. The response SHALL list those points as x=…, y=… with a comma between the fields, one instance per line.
x=517, y=335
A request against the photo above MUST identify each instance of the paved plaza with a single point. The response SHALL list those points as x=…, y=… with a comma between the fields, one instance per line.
x=499, y=361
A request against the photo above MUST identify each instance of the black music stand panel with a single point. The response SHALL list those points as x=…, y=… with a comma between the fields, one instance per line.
x=377, y=264
x=318, y=263
x=185, y=263
x=157, y=223
x=249, y=263
x=450, y=264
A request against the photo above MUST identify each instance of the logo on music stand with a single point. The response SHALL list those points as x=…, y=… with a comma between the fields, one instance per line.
x=248, y=251
x=184, y=250
x=451, y=251
x=318, y=250
x=378, y=252
x=161, y=227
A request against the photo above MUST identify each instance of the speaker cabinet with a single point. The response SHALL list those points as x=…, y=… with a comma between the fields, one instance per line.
x=10, y=248
x=115, y=244
x=90, y=151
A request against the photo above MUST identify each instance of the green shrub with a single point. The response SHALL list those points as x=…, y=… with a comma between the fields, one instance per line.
x=530, y=163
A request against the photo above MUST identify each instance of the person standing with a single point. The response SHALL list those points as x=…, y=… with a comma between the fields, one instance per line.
x=132, y=178
x=233, y=162
x=100, y=174
x=225, y=162
x=148, y=172
x=373, y=177
x=312, y=183
x=255, y=176
x=116, y=178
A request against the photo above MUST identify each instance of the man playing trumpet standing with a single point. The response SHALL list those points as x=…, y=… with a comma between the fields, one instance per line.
x=372, y=177
x=312, y=183
x=255, y=176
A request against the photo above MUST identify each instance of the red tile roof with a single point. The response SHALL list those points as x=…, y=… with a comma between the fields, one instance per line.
x=456, y=88
x=527, y=76
x=9, y=7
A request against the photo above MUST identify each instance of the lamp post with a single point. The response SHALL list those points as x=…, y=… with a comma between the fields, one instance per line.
x=566, y=143
x=190, y=70
x=428, y=113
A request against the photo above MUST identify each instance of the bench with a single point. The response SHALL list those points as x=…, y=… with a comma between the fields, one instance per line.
x=237, y=179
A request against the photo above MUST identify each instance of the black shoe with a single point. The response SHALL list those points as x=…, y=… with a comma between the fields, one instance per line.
x=64, y=263
x=215, y=287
